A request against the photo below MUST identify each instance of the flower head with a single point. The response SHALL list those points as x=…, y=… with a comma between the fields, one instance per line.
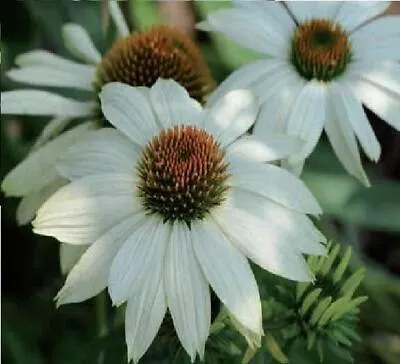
x=161, y=51
x=173, y=200
x=137, y=59
x=323, y=62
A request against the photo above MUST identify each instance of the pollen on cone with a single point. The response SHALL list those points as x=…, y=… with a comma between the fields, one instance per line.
x=320, y=49
x=182, y=174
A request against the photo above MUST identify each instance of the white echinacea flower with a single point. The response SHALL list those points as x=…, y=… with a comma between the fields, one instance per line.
x=323, y=61
x=36, y=177
x=172, y=200
x=137, y=59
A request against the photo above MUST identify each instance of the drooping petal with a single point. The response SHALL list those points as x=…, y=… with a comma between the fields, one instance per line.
x=307, y=118
x=40, y=57
x=143, y=316
x=70, y=255
x=272, y=182
x=381, y=101
x=89, y=276
x=28, y=206
x=229, y=274
x=129, y=111
x=82, y=211
x=46, y=76
x=262, y=36
x=35, y=102
x=273, y=147
x=187, y=292
x=78, y=42
x=38, y=169
x=349, y=109
x=354, y=13
x=173, y=104
x=118, y=17
x=295, y=227
x=103, y=151
x=141, y=255
x=341, y=136
x=267, y=248
x=231, y=116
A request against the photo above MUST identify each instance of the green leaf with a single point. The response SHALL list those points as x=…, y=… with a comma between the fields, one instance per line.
x=309, y=300
x=274, y=349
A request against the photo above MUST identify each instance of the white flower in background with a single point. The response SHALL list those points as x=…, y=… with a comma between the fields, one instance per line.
x=138, y=59
x=172, y=201
x=36, y=177
x=323, y=61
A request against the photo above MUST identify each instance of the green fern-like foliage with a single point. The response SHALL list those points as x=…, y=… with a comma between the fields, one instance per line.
x=322, y=314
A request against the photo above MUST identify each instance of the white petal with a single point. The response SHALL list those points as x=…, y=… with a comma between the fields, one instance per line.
x=305, y=10
x=231, y=116
x=260, y=36
x=50, y=60
x=266, y=247
x=82, y=211
x=90, y=275
x=273, y=147
x=129, y=111
x=273, y=14
x=53, y=128
x=383, y=74
x=281, y=87
x=354, y=13
x=377, y=41
x=103, y=151
x=344, y=144
x=78, y=42
x=118, y=17
x=38, y=169
x=349, y=109
x=228, y=273
x=295, y=227
x=375, y=35
x=380, y=100
x=34, y=102
x=274, y=183
x=187, y=291
x=245, y=77
x=173, y=104
x=141, y=255
x=45, y=76
x=307, y=118
x=143, y=317
x=70, y=255
x=28, y=206
x=253, y=76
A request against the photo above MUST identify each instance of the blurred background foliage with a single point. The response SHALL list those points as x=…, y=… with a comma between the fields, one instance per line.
x=35, y=332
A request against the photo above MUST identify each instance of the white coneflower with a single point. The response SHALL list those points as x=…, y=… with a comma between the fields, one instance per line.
x=173, y=201
x=324, y=59
x=137, y=59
